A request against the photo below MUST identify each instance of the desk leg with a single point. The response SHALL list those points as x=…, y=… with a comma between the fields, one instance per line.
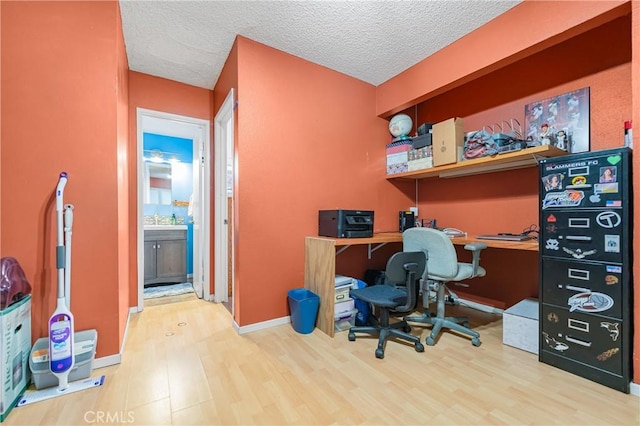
x=319, y=277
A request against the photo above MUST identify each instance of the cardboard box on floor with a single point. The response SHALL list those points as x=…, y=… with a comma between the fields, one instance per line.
x=448, y=141
x=15, y=346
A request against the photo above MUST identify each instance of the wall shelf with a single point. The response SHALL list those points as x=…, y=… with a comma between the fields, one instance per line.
x=511, y=160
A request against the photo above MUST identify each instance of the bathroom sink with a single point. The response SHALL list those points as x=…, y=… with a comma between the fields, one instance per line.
x=164, y=227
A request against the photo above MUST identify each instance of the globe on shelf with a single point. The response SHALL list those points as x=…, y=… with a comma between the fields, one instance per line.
x=400, y=126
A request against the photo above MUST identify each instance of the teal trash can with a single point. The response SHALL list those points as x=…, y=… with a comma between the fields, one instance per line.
x=303, y=305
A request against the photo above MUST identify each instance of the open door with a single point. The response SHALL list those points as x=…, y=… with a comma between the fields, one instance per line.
x=224, y=180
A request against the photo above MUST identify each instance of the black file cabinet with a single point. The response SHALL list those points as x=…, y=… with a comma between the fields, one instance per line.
x=585, y=265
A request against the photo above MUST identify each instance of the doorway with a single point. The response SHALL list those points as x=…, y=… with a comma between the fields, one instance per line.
x=196, y=130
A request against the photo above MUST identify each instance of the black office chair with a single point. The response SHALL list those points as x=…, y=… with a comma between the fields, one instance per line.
x=442, y=267
x=399, y=296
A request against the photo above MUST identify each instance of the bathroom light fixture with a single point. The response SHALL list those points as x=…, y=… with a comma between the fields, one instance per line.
x=159, y=156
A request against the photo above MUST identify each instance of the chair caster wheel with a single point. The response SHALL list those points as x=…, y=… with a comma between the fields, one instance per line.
x=406, y=328
x=430, y=341
x=476, y=342
x=419, y=347
x=379, y=353
x=352, y=337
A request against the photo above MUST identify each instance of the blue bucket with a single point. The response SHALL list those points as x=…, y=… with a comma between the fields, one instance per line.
x=303, y=305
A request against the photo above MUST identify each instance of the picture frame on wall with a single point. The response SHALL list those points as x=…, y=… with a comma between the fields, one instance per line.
x=561, y=121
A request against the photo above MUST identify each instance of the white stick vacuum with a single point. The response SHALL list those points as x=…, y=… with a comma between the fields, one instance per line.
x=61, y=324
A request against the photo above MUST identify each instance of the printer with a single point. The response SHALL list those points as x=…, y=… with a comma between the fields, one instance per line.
x=345, y=223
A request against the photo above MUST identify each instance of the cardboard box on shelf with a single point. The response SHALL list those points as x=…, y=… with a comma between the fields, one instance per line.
x=398, y=156
x=448, y=141
x=421, y=158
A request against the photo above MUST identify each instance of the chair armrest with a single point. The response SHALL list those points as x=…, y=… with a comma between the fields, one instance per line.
x=476, y=248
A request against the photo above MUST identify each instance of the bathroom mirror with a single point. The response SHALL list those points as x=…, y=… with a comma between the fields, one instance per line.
x=157, y=183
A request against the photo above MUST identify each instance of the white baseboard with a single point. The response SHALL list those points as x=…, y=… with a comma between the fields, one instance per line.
x=109, y=360
x=132, y=310
x=261, y=325
x=635, y=389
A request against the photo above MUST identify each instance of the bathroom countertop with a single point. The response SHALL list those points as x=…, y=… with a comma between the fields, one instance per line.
x=165, y=227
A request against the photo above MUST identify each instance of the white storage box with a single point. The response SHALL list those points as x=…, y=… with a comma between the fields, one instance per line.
x=346, y=306
x=84, y=347
x=341, y=280
x=15, y=344
x=342, y=294
x=520, y=326
x=344, y=320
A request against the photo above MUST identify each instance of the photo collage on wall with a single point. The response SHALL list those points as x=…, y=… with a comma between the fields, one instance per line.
x=561, y=121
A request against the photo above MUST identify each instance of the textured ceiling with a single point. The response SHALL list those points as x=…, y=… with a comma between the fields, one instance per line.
x=189, y=41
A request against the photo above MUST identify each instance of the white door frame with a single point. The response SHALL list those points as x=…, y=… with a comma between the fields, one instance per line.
x=178, y=126
x=225, y=170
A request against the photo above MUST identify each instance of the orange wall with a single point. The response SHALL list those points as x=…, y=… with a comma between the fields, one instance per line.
x=59, y=107
x=124, y=241
x=308, y=139
x=158, y=94
x=227, y=80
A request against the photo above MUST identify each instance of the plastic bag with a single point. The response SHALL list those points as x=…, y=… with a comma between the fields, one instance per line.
x=362, y=317
x=13, y=283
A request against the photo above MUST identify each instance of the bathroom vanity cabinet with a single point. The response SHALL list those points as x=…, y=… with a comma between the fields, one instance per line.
x=165, y=256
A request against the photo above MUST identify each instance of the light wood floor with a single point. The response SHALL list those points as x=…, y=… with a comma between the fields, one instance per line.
x=184, y=363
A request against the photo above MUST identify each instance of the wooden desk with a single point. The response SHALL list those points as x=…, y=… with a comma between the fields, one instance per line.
x=530, y=245
x=320, y=264
x=320, y=269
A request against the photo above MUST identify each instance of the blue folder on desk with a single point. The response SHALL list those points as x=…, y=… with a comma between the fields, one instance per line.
x=504, y=237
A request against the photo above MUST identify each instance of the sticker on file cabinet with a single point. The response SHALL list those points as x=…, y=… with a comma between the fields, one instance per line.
x=578, y=274
x=568, y=198
x=612, y=203
x=608, y=219
x=579, y=182
x=594, y=198
x=579, y=253
x=614, y=269
x=611, y=280
x=612, y=328
x=553, y=317
x=607, y=354
x=590, y=302
x=578, y=325
x=606, y=188
x=612, y=243
x=552, y=244
x=553, y=343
